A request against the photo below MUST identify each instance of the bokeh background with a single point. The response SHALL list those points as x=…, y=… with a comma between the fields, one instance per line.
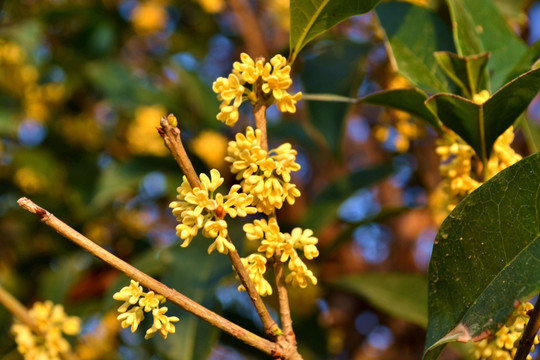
x=83, y=84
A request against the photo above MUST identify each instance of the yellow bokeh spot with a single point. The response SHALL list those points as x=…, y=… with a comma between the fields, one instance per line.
x=149, y=17
x=142, y=136
x=211, y=147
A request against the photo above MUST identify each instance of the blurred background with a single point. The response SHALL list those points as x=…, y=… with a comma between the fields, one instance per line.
x=83, y=84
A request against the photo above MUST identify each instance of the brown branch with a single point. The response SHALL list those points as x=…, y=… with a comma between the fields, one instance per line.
x=283, y=297
x=172, y=295
x=259, y=113
x=270, y=326
x=171, y=137
x=21, y=312
x=249, y=27
x=527, y=339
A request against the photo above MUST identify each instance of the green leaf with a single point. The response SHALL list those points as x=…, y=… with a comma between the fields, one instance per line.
x=326, y=203
x=310, y=18
x=467, y=72
x=410, y=100
x=531, y=130
x=481, y=124
x=480, y=21
x=526, y=62
x=465, y=33
x=334, y=68
x=414, y=34
x=485, y=257
x=403, y=296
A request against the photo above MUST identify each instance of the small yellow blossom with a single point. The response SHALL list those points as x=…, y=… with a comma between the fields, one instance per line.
x=273, y=242
x=201, y=208
x=243, y=83
x=503, y=345
x=481, y=97
x=456, y=167
x=51, y=321
x=141, y=302
x=265, y=174
x=255, y=265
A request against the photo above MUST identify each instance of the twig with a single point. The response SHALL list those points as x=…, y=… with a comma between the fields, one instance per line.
x=21, y=312
x=527, y=339
x=259, y=113
x=172, y=295
x=270, y=326
x=249, y=28
x=171, y=137
x=283, y=297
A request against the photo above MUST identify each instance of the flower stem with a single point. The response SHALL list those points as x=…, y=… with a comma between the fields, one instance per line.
x=283, y=297
x=249, y=27
x=172, y=295
x=527, y=339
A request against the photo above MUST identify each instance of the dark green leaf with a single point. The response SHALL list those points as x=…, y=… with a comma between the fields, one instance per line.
x=310, y=18
x=326, y=203
x=410, y=100
x=481, y=124
x=526, y=62
x=414, y=34
x=400, y=295
x=485, y=256
x=335, y=68
x=531, y=130
x=467, y=72
x=489, y=27
x=465, y=32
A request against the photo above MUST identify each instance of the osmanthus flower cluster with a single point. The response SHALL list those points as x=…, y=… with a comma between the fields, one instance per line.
x=503, y=345
x=52, y=322
x=136, y=303
x=266, y=175
x=273, y=242
x=202, y=208
x=457, y=158
x=243, y=83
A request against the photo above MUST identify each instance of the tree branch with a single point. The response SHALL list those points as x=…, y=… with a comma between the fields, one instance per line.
x=283, y=297
x=172, y=295
x=249, y=28
x=171, y=137
x=527, y=339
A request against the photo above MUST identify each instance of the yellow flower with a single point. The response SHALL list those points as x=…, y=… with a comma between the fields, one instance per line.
x=245, y=81
x=52, y=322
x=162, y=323
x=200, y=208
x=129, y=294
x=265, y=174
x=255, y=265
x=147, y=302
x=503, y=344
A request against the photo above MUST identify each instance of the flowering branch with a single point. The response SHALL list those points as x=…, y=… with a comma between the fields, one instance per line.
x=527, y=339
x=171, y=137
x=172, y=295
x=21, y=312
